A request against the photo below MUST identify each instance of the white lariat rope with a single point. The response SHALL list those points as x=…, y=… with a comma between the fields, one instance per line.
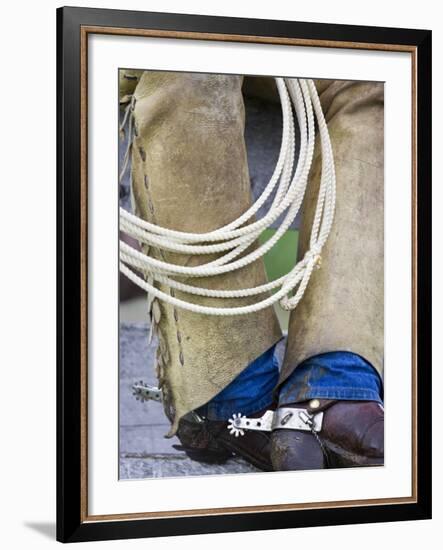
x=235, y=237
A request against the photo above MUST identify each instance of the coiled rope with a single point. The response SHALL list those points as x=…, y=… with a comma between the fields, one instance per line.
x=296, y=95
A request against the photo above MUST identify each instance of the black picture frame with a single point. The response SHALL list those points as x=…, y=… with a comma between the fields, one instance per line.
x=72, y=523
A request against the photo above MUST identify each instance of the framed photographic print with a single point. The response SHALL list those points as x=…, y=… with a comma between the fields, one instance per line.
x=244, y=274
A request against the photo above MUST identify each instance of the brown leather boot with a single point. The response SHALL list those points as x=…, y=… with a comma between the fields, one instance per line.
x=199, y=442
x=352, y=434
x=296, y=450
x=210, y=441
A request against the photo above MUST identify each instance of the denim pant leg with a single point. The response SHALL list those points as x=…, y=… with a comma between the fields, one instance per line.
x=333, y=375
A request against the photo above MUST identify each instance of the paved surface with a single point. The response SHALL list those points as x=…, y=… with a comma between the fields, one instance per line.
x=166, y=465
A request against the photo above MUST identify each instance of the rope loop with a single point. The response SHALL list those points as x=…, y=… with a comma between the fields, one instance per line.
x=287, y=187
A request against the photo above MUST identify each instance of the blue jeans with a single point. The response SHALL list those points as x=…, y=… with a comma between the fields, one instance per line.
x=251, y=391
x=333, y=375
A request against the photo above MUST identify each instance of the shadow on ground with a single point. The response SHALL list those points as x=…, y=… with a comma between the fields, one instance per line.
x=44, y=528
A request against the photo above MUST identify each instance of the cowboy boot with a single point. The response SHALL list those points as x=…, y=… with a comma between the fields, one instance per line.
x=211, y=442
x=351, y=434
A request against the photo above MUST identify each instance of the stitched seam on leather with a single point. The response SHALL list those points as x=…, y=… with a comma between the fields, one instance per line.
x=162, y=353
x=181, y=356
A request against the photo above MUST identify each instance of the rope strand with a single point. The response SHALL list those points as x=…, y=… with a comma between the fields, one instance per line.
x=297, y=96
